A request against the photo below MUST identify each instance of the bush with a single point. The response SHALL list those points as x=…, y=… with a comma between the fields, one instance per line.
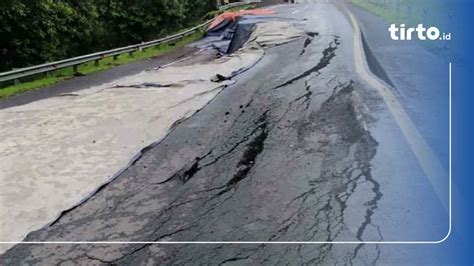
x=38, y=31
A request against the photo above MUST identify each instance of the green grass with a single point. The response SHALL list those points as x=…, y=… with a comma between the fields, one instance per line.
x=44, y=80
x=436, y=11
x=389, y=14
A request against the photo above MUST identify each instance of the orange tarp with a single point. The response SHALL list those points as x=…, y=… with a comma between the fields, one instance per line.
x=234, y=15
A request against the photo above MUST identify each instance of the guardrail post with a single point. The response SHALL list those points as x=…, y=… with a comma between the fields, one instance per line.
x=115, y=53
x=96, y=62
x=15, y=81
x=130, y=54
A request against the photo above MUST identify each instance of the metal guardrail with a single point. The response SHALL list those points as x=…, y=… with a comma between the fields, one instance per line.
x=231, y=5
x=236, y=4
x=75, y=61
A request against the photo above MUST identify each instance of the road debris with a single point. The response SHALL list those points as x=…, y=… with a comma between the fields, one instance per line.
x=70, y=147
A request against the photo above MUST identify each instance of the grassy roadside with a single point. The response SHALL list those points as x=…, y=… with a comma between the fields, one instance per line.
x=44, y=80
x=387, y=14
x=412, y=13
x=409, y=12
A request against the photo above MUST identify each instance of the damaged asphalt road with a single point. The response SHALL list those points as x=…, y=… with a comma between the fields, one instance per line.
x=288, y=153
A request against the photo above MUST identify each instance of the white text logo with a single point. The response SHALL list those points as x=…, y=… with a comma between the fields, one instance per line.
x=402, y=33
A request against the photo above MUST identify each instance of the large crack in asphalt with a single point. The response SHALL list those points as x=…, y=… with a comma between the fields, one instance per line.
x=338, y=117
x=325, y=60
x=262, y=165
x=252, y=150
x=308, y=41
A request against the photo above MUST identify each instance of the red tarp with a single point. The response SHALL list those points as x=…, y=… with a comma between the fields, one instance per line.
x=234, y=15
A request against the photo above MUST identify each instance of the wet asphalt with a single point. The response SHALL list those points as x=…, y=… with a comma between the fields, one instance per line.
x=298, y=149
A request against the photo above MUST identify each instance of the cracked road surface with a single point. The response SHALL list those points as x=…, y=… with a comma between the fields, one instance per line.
x=299, y=149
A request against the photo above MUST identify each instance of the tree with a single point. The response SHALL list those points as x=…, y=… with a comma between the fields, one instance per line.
x=38, y=31
x=43, y=30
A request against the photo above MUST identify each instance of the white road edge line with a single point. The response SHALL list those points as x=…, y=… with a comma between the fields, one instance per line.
x=396, y=110
x=428, y=161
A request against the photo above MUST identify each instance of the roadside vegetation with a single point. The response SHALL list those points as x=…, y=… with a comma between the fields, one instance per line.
x=409, y=12
x=35, y=32
x=44, y=80
x=413, y=12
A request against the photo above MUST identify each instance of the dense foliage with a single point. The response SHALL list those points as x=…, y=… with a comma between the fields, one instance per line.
x=38, y=31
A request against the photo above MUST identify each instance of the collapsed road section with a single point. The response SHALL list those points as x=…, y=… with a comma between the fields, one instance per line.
x=299, y=149
x=71, y=145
